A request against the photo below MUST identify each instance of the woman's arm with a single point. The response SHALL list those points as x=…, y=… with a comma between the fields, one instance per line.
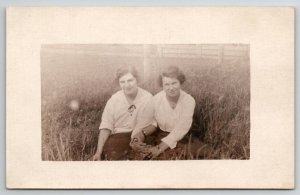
x=106, y=127
x=141, y=135
x=145, y=125
x=137, y=142
x=183, y=124
x=103, y=136
x=145, y=122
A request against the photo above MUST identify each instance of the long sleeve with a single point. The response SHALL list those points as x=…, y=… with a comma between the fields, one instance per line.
x=145, y=116
x=183, y=124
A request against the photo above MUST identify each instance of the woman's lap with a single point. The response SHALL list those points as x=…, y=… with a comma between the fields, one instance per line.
x=117, y=147
x=189, y=147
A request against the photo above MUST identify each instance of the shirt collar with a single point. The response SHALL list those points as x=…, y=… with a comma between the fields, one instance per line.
x=138, y=96
x=181, y=95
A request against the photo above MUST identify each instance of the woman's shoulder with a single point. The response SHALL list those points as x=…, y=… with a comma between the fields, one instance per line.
x=159, y=95
x=145, y=93
x=116, y=96
x=187, y=97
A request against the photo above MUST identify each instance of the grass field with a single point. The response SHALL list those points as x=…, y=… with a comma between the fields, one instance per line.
x=75, y=88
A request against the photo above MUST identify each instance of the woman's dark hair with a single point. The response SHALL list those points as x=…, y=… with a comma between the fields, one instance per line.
x=125, y=70
x=171, y=72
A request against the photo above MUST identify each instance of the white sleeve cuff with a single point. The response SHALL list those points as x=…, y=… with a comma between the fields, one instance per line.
x=106, y=125
x=154, y=123
x=171, y=143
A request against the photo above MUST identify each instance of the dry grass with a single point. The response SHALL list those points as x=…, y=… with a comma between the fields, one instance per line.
x=221, y=121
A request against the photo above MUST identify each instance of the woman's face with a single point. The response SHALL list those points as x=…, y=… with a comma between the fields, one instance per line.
x=171, y=86
x=128, y=84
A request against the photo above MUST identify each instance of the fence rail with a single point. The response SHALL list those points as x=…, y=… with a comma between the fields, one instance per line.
x=214, y=51
x=219, y=52
x=146, y=53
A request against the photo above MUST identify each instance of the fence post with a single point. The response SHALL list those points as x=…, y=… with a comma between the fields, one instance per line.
x=199, y=51
x=150, y=51
x=221, y=54
x=247, y=52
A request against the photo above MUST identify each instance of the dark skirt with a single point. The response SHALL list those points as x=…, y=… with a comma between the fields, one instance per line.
x=188, y=148
x=117, y=147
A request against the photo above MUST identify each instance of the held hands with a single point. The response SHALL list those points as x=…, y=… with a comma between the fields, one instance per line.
x=147, y=151
x=138, y=146
x=139, y=137
x=137, y=142
x=155, y=151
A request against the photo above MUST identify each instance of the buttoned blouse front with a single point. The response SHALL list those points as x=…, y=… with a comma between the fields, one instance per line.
x=119, y=118
x=177, y=121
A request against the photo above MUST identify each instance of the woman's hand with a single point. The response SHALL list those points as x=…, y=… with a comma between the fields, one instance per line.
x=137, y=145
x=96, y=156
x=103, y=136
x=137, y=142
x=139, y=137
x=155, y=151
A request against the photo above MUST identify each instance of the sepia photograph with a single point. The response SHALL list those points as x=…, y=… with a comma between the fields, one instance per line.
x=137, y=97
x=145, y=102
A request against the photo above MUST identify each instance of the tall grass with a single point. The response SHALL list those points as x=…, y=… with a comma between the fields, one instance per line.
x=221, y=91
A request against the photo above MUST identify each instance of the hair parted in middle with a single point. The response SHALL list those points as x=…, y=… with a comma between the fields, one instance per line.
x=123, y=70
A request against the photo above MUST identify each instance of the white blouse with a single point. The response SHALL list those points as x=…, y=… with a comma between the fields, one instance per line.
x=120, y=117
x=177, y=121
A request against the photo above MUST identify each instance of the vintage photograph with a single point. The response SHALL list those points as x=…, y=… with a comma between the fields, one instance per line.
x=145, y=102
x=129, y=97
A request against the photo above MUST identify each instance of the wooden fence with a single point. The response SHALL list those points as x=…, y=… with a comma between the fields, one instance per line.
x=219, y=52
x=214, y=51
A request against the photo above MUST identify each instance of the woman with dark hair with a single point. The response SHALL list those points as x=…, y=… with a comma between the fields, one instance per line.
x=174, y=110
x=126, y=113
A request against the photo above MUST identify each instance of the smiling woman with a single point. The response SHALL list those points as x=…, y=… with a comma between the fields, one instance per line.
x=126, y=113
x=171, y=81
x=128, y=84
x=174, y=111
